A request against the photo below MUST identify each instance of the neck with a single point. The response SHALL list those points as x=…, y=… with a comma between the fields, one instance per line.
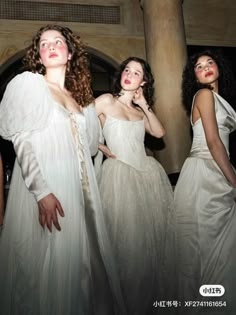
x=125, y=102
x=214, y=85
x=56, y=77
x=126, y=97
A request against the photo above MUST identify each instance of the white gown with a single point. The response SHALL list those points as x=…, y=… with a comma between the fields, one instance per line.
x=137, y=200
x=70, y=272
x=206, y=220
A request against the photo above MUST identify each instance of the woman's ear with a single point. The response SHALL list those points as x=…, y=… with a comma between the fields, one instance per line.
x=143, y=83
x=69, y=57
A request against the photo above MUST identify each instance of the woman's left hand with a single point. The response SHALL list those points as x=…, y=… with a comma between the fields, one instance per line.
x=139, y=98
x=106, y=151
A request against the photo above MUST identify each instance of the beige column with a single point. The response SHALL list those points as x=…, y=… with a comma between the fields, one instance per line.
x=166, y=53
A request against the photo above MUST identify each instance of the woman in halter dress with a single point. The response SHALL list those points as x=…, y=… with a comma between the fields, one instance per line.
x=206, y=190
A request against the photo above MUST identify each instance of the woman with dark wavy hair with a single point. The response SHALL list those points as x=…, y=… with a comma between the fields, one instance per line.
x=136, y=194
x=54, y=249
x=206, y=190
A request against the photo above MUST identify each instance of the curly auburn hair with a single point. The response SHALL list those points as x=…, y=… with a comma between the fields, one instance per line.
x=148, y=89
x=226, y=80
x=78, y=77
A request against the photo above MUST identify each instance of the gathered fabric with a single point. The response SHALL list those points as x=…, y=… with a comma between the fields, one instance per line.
x=68, y=272
x=206, y=220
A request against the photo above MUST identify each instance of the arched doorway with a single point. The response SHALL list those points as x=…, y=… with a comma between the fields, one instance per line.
x=102, y=69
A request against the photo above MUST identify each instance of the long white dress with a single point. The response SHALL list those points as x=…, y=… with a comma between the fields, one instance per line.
x=70, y=272
x=206, y=220
x=137, y=201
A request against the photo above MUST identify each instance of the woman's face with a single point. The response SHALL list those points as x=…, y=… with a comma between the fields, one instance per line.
x=206, y=70
x=132, y=76
x=53, y=49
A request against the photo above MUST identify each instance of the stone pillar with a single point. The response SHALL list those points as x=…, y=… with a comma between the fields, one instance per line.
x=166, y=53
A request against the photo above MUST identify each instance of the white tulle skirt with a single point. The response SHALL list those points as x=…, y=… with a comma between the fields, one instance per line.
x=139, y=215
x=71, y=272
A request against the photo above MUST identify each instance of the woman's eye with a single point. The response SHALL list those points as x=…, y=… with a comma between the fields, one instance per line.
x=58, y=42
x=43, y=45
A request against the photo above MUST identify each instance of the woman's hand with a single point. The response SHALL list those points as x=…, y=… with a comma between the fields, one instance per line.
x=106, y=151
x=139, y=99
x=152, y=124
x=48, y=208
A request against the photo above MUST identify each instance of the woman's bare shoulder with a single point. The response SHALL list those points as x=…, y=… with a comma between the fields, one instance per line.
x=204, y=93
x=104, y=100
x=107, y=98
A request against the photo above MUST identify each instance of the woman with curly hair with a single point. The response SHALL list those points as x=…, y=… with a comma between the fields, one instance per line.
x=206, y=190
x=136, y=194
x=55, y=253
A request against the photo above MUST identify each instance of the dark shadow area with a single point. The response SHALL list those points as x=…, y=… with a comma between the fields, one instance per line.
x=232, y=148
x=6, y=148
x=153, y=143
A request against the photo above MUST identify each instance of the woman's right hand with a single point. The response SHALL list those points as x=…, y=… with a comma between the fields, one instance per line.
x=48, y=208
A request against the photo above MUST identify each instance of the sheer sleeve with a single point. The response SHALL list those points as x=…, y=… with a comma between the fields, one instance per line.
x=23, y=110
x=29, y=165
x=92, y=128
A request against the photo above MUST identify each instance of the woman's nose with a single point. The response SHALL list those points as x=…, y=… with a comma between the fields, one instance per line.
x=51, y=46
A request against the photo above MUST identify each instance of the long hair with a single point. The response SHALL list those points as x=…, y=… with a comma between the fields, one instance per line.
x=148, y=89
x=78, y=77
x=226, y=80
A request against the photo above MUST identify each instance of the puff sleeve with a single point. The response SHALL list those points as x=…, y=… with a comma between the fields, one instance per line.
x=24, y=106
x=23, y=110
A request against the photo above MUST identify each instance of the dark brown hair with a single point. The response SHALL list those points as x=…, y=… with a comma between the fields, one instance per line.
x=226, y=80
x=148, y=89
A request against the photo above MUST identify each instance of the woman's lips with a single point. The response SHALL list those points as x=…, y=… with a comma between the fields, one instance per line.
x=127, y=81
x=53, y=55
x=208, y=74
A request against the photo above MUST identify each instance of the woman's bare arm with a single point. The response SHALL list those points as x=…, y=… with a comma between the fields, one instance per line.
x=204, y=104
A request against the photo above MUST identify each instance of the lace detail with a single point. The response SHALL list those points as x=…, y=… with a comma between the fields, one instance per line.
x=79, y=141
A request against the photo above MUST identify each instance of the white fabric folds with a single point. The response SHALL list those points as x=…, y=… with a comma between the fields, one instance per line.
x=60, y=273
